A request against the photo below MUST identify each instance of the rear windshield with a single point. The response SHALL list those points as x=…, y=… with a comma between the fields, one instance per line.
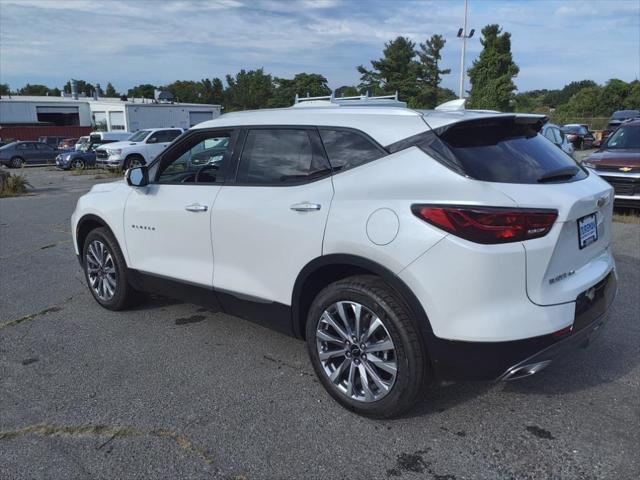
x=500, y=150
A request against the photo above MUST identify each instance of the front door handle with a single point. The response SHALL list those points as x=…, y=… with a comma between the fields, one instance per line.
x=305, y=207
x=196, y=207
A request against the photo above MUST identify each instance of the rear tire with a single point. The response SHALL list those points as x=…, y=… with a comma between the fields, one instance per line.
x=106, y=270
x=16, y=162
x=389, y=359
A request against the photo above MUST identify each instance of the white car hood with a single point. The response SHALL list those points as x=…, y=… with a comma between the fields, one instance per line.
x=123, y=144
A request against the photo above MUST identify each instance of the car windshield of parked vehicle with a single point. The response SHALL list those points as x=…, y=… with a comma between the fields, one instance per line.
x=625, y=137
x=502, y=150
x=139, y=136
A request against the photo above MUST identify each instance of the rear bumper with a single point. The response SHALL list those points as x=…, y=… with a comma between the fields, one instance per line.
x=460, y=361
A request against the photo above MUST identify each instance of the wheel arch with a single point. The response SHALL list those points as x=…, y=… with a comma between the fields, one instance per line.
x=327, y=269
x=85, y=225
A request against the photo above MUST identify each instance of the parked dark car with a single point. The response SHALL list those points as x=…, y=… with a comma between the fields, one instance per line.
x=579, y=136
x=17, y=154
x=618, y=162
x=83, y=158
x=617, y=119
x=52, y=141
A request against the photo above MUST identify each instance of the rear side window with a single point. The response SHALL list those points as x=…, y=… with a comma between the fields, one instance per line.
x=280, y=156
x=503, y=150
x=348, y=149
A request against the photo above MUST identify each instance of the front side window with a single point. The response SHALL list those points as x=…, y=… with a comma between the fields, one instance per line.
x=347, y=149
x=280, y=156
x=139, y=136
x=199, y=161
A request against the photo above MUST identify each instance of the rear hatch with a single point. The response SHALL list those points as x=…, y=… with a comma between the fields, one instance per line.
x=508, y=152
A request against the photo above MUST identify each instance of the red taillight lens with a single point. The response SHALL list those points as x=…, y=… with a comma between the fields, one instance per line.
x=488, y=224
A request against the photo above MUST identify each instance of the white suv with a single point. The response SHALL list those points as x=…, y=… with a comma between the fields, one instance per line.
x=140, y=149
x=405, y=246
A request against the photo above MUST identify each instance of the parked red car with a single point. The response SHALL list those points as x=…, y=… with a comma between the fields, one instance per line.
x=618, y=162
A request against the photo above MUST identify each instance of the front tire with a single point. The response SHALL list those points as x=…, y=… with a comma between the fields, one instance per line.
x=365, y=348
x=78, y=164
x=106, y=270
x=133, y=161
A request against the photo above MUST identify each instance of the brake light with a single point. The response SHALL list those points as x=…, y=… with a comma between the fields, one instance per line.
x=488, y=225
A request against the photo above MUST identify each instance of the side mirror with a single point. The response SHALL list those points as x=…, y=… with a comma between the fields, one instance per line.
x=153, y=140
x=138, y=177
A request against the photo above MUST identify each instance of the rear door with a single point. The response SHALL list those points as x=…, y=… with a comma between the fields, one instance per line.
x=46, y=153
x=269, y=223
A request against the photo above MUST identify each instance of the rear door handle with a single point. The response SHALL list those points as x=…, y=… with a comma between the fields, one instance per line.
x=305, y=207
x=196, y=207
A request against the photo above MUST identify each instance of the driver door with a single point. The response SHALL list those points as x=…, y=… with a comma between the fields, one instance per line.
x=168, y=222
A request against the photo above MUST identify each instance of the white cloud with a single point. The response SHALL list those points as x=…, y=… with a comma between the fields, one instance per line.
x=149, y=41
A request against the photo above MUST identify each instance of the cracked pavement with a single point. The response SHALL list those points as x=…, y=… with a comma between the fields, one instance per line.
x=172, y=390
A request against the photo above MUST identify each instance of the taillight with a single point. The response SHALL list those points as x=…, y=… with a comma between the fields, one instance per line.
x=488, y=224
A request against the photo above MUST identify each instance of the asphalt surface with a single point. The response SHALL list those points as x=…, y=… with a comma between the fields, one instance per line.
x=170, y=390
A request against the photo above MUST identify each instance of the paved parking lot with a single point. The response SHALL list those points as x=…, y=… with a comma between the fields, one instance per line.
x=170, y=390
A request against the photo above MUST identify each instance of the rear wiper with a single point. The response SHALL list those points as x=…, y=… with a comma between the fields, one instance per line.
x=565, y=172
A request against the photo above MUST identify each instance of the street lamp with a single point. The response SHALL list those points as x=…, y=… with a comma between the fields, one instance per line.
x=462, y=33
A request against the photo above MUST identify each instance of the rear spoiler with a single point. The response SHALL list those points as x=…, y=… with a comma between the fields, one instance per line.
x=536, y=121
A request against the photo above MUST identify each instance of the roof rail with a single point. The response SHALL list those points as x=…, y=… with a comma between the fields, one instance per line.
x=357, y=100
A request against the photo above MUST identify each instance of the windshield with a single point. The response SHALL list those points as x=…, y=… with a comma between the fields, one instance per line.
x=139, y=136
x=625, y=137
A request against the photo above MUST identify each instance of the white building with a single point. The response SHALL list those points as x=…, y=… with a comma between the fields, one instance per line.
x=113, y=113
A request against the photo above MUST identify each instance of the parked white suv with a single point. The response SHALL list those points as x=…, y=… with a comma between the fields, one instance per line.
x=140, y=149
x=405, y=246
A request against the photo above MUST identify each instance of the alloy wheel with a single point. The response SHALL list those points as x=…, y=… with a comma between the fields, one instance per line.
x=101, y=270
x=356, y=351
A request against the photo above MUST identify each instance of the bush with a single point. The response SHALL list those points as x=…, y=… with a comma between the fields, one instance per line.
x=14, y=185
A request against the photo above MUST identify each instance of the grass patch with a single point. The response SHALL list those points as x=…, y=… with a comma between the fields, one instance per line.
x=629, y=216
x=14, y=185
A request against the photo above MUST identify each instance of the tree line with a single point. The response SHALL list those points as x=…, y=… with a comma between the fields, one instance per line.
x=414, y=71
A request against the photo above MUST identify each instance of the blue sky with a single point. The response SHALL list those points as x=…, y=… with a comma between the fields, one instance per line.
x=128, y=42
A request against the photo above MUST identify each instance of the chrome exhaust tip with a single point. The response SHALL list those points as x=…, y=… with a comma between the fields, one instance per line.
x=522, y=371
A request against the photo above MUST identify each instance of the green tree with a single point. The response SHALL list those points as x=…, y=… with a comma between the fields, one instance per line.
x=83, y=87
x=187, y=91
x=248, y=90
x=110, y=91
x=35, y=89
x=632, y=102
x=346, y=91
x=145, y=90
x=614, y=94
x=285, y=90
x=4, y=89
x=431, y=73
x=396, y=71
x=213, y=91
x=492, y=74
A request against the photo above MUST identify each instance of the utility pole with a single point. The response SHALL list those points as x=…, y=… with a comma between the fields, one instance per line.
x=462, y=33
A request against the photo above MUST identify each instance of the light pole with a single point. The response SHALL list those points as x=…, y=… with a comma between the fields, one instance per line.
x=462, y=33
